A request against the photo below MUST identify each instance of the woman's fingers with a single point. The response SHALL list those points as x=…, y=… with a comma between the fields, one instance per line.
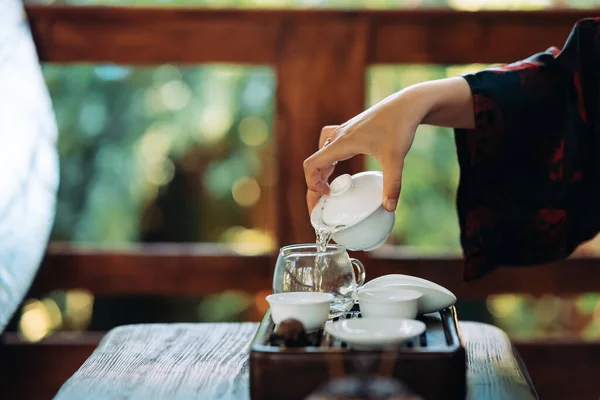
x=328, y=132
x=312, y=198
x=326, y=173
x=392, y=181
x=320, y=164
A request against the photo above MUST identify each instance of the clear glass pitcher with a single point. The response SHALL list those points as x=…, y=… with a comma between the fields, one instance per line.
x=301, y=268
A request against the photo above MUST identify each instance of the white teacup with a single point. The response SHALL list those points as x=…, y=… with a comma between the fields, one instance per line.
x=310, y=308
x=389, y=303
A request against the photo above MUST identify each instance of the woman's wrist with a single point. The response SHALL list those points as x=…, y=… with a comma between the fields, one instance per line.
x=410, y=107
x=417, y=103
x=402, y=111
x=445, y=102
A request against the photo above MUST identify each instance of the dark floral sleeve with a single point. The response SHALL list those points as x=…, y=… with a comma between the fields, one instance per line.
x=529, y=189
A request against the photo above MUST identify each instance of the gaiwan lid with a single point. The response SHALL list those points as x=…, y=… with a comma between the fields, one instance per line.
x=352, y=199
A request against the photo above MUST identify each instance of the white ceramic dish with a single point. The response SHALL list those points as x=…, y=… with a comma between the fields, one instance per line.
x=432, y=300
x=353, y=213
x=375, y=332
x=435, y=297
x=399, y=279
x=310, y=308
x=389, y=303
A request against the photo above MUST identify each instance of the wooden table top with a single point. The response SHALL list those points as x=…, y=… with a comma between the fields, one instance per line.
x=210, y=361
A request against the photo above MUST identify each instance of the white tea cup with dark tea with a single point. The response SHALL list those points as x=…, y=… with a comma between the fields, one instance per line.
x=352, y=214
x=310, y=308
x=305, y=268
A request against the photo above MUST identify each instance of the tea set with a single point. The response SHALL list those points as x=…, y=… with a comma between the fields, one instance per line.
x=316, y=283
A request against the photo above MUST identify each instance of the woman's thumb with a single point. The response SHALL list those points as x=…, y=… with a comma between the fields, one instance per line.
x=392, y=182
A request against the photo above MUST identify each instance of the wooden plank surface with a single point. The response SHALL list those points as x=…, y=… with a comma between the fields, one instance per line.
x=156, y=361
x=143, y=35
x=138, y=35
x=450, y=37
x=154, y=269
x=197, y=270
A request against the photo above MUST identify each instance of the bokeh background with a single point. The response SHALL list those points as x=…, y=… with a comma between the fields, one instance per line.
x=186, y=154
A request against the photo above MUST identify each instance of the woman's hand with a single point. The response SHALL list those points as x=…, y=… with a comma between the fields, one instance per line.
x=386, y=132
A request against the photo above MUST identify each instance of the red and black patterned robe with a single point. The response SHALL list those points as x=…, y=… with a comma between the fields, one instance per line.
x=529, y=188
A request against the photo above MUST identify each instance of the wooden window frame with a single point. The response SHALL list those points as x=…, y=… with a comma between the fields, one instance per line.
x=321, y=59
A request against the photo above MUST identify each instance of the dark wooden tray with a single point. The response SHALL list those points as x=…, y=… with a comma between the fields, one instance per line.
x=432, y=365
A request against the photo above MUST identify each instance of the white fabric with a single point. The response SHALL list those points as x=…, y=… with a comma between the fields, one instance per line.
x=28, y=160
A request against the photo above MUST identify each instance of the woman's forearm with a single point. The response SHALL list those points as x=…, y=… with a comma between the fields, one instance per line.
x=446, y=102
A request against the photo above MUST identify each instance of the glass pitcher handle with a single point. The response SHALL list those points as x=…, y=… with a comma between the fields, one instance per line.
x=360, y=277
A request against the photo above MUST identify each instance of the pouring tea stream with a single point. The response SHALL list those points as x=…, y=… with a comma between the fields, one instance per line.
x=354, y=217
x=352, y=214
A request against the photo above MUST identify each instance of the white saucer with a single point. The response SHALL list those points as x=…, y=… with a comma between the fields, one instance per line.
x=375, y=332
x=435, y=297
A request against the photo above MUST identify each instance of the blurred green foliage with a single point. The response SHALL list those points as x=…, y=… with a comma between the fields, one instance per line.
x=153, y=153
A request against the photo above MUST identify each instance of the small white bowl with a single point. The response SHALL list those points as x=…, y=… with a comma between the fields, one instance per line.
x=435, y=297
x=389, y=303
x=310, y=308
x=375, y=332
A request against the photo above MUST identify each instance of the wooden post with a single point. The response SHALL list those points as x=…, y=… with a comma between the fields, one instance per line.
x=321, y=73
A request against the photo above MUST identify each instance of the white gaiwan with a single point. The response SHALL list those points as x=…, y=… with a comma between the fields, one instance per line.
x=353, y=211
